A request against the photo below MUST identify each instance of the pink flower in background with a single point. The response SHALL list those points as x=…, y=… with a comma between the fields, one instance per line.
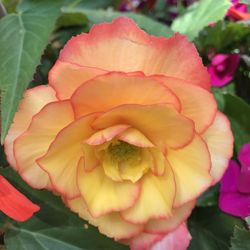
x=238, y=11
x=222, y=68
x=235, y=186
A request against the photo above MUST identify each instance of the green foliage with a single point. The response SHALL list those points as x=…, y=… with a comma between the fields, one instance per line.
x=211, y=229
x=54, y=227
x=209, y=198
x=25, y=37
x=97, y=16
x=240, y=239
x=238, y=113
x=200, y=15
x=224, y=37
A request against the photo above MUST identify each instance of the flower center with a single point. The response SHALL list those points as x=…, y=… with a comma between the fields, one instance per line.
x=123, y=151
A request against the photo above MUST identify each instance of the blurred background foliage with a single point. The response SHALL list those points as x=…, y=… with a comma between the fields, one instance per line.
x=30, y=26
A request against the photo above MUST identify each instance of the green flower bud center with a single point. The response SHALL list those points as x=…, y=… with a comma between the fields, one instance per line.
x=123, y=151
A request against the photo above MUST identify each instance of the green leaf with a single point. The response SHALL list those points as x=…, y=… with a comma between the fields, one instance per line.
x=97, y=16
x=238, y=112
x=23, y=40
x=211, y=229
x=224, y=37
x=240, y=239
x=209, y=198
x=54, y=227
x=200, y=15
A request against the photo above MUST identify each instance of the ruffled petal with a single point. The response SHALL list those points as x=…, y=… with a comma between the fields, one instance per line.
x=161, y=124
x=163, y=226
x=34, y=100
x=144, y=241
x=219, y=139
x=197, y=103
x=103, y=195
x=178, y=239
x=156, y=199
x=117, y=88
x=66, y=77
x=13, y=203
x=35, y=142
x=191, y=166
x=64, y=154
x=111, y=224
x=123, y=46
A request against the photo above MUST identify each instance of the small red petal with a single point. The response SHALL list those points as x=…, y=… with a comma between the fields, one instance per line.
x=13, y=203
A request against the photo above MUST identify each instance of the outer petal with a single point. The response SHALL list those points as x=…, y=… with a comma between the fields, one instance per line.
x=122, y=46
x=161, y=124
x=179, y=215
x=191, y=166
x=111, y=224
x=65, y=77
x=176, y=240
x=156, y=199
x=219, y=139
x=34, y=100
x=36, y=140
x=13, y=203
x=197, y=103
x=145, y=241
x=63, y=156
x=118, y=89
x=103, y=195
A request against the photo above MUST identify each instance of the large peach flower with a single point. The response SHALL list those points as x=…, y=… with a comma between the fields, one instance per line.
x=127, y=132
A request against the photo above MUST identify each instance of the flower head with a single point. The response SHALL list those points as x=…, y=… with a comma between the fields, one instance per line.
x=127, y=132
x=235, y=188
x=222, y=68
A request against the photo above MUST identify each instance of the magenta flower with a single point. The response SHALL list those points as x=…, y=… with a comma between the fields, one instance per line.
x=235, y=186
x=222, y=68
x=238, y=11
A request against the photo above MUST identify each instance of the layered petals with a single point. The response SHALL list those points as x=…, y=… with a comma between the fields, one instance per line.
x=103, y=195
x=144, y=241
x=124, y=39
x=176, y=240
x=107, y=93
x=111, y=224
x=34, y=100
x=219, y=139
x=156, y=199
x=191, y=166
x=197, y=103
x=36, y=140
x=163, y=226
x=106, y=135
x=162, y=124
x=64, y=155
x=127, y=133
x=13, y=203
x=65, y=77
x=136, y=138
